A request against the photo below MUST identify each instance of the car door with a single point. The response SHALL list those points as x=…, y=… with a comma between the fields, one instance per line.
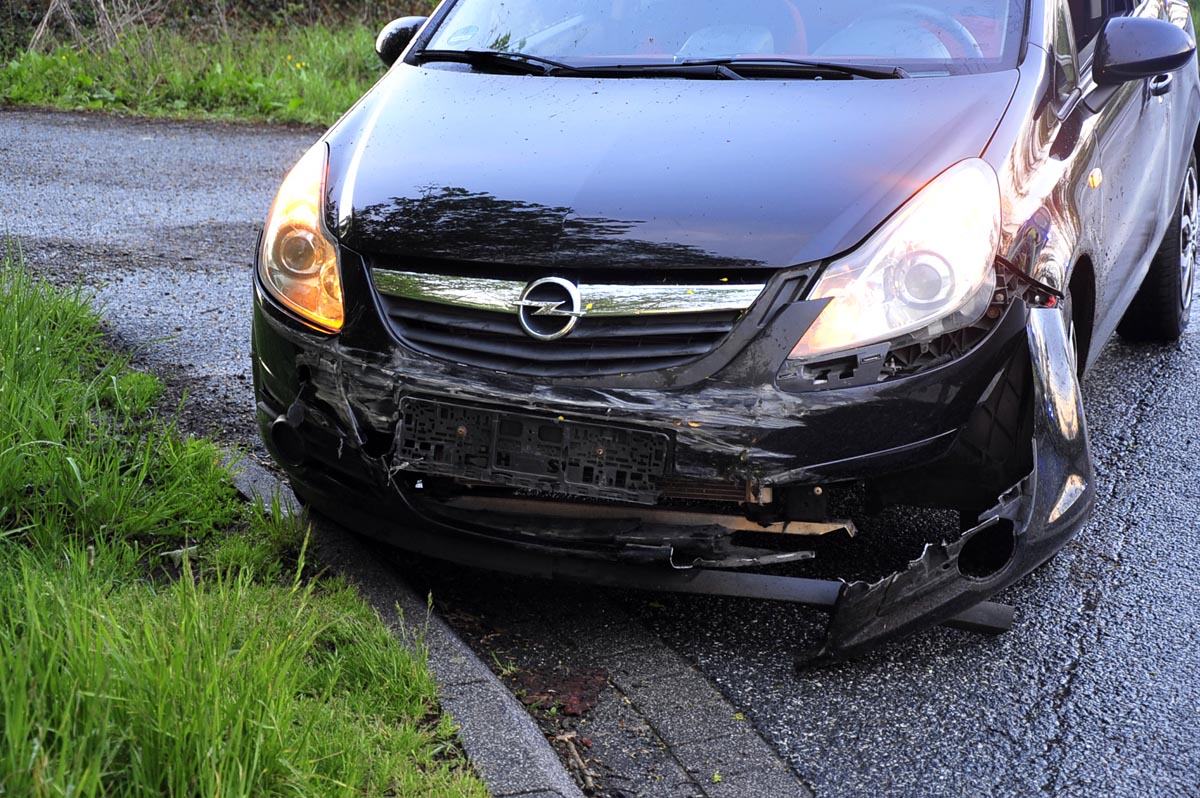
x=1133, y=140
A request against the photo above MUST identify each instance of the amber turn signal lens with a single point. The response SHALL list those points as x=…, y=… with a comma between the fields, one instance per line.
x=299, y=261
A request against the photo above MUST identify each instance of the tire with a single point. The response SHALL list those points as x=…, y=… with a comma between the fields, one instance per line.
x=1162, y=306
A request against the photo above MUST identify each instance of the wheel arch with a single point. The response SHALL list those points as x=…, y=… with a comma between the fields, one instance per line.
x=1082, y=286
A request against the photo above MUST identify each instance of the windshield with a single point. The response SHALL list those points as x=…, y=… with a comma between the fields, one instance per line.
x=932, y=37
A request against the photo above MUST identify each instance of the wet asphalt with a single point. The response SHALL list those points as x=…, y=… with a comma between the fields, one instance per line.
x=1095, y=692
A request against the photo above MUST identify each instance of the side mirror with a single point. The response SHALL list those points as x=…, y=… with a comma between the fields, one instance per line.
x=1131, y=48
x=395, y=36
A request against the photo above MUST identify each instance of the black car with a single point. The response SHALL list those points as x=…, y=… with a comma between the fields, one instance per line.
x=645, y=292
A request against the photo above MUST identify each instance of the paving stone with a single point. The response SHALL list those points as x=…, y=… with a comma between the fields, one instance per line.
x=742, y=764
x=682, y=707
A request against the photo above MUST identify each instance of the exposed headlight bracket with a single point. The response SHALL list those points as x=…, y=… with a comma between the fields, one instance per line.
x=1035, y=293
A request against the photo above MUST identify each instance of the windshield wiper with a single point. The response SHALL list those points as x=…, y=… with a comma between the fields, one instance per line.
x=770, y=66
x=702, y=71
x=520, y=63
x=526, y=64
x=711, y=69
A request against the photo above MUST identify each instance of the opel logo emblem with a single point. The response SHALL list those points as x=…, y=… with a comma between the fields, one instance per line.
x=549, y=308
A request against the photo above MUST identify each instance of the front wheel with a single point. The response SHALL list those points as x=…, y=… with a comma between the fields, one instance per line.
x=1162, y=306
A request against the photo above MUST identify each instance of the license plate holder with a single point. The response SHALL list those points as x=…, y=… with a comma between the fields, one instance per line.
x=530, y=452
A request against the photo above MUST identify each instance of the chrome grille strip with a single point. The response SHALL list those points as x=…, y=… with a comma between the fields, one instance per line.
x=501, y=296
x=466, y=292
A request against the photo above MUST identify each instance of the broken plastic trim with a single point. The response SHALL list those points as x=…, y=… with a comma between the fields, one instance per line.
x=641, y=567
x=1036, y=293
x=948, y=585
x=1028, y=525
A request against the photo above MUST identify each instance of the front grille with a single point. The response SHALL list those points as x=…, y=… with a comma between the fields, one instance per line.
x=601, y=345
x=624, y=327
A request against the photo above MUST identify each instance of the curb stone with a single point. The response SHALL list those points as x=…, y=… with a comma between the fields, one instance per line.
x=502, y=742
x=722, y=755
x=716, y=747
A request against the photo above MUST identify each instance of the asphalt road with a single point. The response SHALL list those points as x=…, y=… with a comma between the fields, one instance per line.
x=1095, y=692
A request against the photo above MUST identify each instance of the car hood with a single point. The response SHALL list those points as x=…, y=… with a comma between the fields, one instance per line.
x=569, y=173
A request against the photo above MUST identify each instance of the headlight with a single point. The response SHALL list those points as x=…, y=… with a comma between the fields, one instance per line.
x=927, y=271
x=299, y=262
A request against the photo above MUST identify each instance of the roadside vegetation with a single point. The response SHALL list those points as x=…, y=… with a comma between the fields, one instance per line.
x=269, y=61
x=159, y=636
x=300, y=61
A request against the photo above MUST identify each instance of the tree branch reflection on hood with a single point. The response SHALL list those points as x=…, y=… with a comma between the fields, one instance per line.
x=456, y=224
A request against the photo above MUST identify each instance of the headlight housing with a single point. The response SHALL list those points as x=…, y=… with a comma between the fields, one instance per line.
x=928, y=270
x=299, y=259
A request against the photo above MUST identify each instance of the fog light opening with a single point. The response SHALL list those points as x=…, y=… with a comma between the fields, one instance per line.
x=988, y=551
x=287, y=442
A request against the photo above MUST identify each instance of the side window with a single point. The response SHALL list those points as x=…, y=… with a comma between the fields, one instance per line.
x=1088, y=17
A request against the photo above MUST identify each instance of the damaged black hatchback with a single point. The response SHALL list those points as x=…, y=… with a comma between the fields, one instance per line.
x=630, y=291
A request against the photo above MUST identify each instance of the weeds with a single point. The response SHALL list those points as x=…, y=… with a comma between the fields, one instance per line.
x=281, y=60
x=234, y=674
x=307, y=75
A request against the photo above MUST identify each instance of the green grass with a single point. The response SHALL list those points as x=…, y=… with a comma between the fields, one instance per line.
x=294, y=73
x=235, y=673
x=305, y=74
x=288, y=73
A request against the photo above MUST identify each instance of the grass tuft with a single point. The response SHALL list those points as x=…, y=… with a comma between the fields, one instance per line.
x=64, y=403
x=308, y=75
x=125, y=676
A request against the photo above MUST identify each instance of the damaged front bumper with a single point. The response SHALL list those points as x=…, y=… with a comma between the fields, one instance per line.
x=328, y=414
x=1027, y=526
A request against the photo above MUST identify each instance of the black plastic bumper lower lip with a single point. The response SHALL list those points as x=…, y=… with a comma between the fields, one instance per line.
x=1026, y=527
x=948, y=584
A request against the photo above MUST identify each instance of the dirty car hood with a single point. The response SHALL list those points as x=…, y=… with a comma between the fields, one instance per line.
x=686, y=174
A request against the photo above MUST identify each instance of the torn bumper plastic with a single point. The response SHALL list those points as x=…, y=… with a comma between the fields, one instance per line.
x=1028, y=525
x=356, y=481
